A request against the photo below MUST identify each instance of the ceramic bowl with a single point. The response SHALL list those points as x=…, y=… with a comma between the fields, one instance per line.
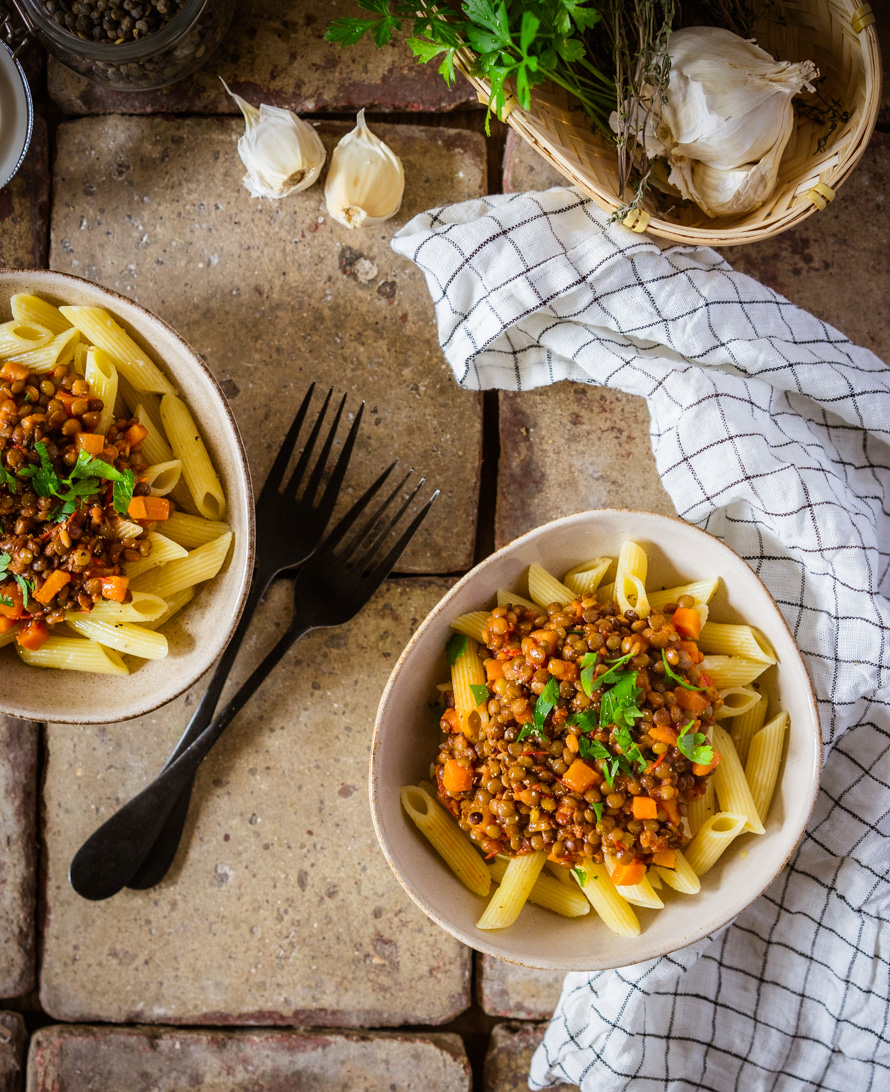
x=199, y=633
x=405, y=742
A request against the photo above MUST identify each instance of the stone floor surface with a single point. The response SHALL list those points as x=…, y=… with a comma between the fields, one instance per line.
x=94, y=1059
x=521, y=993
x=509, y=1057
x=13, y=1042
x=18, y=856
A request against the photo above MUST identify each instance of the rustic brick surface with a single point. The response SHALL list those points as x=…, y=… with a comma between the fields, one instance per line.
x=509, y=1057
x=882, y=22
x=274, y=295
x=91, y=1059
x=13, y=1039
x=24, y=207
x=275, y=52
x=282, y=910
x=523, y=993
x=18, y=854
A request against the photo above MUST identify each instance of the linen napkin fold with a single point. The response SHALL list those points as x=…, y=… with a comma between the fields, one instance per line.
x=770, y=430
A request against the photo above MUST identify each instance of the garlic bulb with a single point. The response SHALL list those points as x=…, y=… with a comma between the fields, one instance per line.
x=282, y=153
x=366, y=181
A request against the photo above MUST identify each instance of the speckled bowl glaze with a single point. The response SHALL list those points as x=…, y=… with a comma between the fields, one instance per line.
x=405, y=741
x=199, y=633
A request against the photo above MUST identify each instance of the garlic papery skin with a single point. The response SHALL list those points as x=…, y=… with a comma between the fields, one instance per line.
x=282, y=153
x=366, y=180
x=727, y=193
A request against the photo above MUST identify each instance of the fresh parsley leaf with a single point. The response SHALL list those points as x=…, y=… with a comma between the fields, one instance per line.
x=627, y=745
x=122, y=493
x=530, y=730
x=547, y=700
x=5, y=601
x=4, y=564
x=588, y=666
x=593, y=749
x=619, y=705
x=44, y=478
x=9, y=480
x=598, y=811
x=695, y=747
x=456, y=646
x=614, y=674
x=479, y=692
x=580, y=875
x=349, y=31
x=671, y=674
x=26, y=587
x=586, y=721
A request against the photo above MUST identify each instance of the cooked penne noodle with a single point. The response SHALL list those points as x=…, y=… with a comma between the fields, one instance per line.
x=202, y=563
x=746, y=726
x=33, y=311
x=60, y=350
x=764, y=757
x=637, y=894
x=126, y=637
x=712, y=839
x=701, y=591
x=101, y=375
x=175, y=603
x=584, y=579
x=615, y=911
x=548, y=891
x=162, y=550
x=128, y=529
x=513, y=891
x=161, y=478
x=437, y=826
x=701, y=809
x=681, y=877
x=473, y=624
x=736, y=701
x=99, y=328
x=75, y=654
x=8, y=637
x=22, y=337
x=466, y=672
x=513, y=599
x=191, y=531
x=653, y=878
x=79, y=358
x=630, y=579
x=134, y=398
x=726, y=671
x=544, y=588
x=730, y=784
x=197, y=469
x=718, y=637
x=606, y=593
x=141, y=608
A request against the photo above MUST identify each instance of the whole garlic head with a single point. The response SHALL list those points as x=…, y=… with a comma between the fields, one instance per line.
x=282, y=153
x=366, y=180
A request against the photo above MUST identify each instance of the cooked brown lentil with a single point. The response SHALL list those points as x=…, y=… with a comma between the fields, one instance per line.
x=519, y=800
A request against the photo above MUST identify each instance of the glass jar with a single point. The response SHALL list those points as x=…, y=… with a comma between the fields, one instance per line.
x=158, y=59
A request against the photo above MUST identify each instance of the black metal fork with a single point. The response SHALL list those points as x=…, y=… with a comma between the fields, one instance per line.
x=330, y=589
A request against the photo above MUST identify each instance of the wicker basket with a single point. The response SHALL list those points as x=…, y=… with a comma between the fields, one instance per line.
x=837, y=35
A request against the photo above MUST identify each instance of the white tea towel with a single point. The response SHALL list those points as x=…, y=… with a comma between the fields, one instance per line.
x=770, y=430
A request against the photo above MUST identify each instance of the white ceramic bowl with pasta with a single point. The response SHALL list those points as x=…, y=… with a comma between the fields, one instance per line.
x=406, y=741
x=197, y=633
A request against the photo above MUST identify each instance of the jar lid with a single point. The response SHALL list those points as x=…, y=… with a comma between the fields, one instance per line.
x=16, y=113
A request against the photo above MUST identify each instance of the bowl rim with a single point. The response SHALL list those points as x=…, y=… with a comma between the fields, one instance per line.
x=240, y=464
x=584, y=963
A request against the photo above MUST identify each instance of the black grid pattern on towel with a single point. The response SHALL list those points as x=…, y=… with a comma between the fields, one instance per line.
x=771, y=430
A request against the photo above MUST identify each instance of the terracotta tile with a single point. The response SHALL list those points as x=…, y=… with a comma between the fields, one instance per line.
x=506, y=989
x=509, y=1057
x=274, y=295
x=18, y=855
x=13, y=1039
x=275, y=52
x=280, y=908
x=94, y=1059
x=24, y=207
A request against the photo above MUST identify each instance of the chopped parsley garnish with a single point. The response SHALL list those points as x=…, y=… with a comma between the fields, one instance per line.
x=671, y=674
x=598, y=811
x=5, y=601
x=630, y=749
x=5, y=559
x=8, y=480
x=479, y=692
x=588, y=666
x=592, y=748
x=455, y=647
x=546, y=702
x=84, y=480
x=695, y=747
x=26, y=587
x=619, y=705
x=586, y=721
x=580, y=875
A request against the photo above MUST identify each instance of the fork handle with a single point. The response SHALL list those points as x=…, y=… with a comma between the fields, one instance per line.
x=162, y=853
x=109, y=858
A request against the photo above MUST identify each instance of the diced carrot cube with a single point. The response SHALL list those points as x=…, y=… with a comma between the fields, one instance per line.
x=494, y=669
x=6, y=624
x=93, y=443
x=667, y=858
x=12, y=371
x=33, y=636
x=671, y=810
x=687, y=622
x=579, y=776
x=692, y=651
x=150, y=508
x=691, y=700
x=135, y=434
x=629, y=874
x=51, y=587
x=644, y=807
x=11, y=591
x=700, y=770
x=456, y=778
x=663, y=733
x=115, y=588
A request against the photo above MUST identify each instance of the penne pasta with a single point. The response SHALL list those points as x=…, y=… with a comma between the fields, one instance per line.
x=162, y=550
x=730, y=784
x=9, y=636
x=746, y=726
x=141, y=608
x=466, y=672
x=125, y=637
x=59, y=350
x=33, y=311
x=99, y=328
x=544, y=588
x=548, y=892
x=585, y=578
x=615, y=911
x=701, y=809
x=197, y=469
x=21, y=337
x=513, y=599
x=519, y=878
x=726, y=671
x=717, y=637
x=764, y=757
x=630, y=579
x=712, y=840
x=101, y=374
x=701, y=591
x=75, y=654
x=736, y=701
x=681, y=877
x=473, y=624
x=437, y=826
x=175, y=603
x=202, y=563
x=637, y=894
x=162, y=478
x=191, y=531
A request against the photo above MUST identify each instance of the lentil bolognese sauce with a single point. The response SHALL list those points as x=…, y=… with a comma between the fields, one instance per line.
x=592, y=739
x=66, y=494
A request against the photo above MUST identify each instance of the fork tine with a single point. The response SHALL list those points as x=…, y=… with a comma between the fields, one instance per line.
x=276, y=474
x=293, y=482
x=380, y=538
x=360, y=537
x=346, y=521
x=332, y=489
x=320, y=463
x=385, y=566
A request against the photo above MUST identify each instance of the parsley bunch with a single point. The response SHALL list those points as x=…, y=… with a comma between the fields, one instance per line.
x=85, y=480
x=525, y=42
